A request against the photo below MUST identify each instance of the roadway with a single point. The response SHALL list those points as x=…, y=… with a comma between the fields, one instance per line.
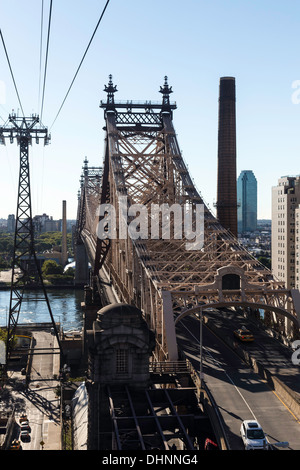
x=38, y=400
x=238, y=391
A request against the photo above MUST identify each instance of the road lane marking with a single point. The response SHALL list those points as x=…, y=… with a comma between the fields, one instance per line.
x=219, y=364
x=294, y=416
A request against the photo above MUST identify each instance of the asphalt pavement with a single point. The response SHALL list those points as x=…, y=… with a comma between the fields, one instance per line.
x=238, y=391
x=38, y=400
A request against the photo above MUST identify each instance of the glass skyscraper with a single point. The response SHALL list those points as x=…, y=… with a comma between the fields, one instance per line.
x=247, y=201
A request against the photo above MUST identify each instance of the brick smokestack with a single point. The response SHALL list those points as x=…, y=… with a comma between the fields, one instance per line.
x=227, y=192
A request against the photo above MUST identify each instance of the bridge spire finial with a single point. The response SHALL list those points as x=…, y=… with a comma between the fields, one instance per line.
x=110, y=90
x=85, y=167
x=166, y=90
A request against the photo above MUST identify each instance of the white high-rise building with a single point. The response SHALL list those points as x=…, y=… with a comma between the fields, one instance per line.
x=285, y=216
x=297, y=247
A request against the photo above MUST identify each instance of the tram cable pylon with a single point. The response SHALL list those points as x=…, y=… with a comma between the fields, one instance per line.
x=26, y=269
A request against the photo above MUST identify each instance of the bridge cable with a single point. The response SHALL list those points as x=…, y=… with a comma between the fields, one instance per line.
x=88, y=46
x=46, y=60
x=12, y=75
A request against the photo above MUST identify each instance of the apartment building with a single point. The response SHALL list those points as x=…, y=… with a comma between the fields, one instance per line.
x=297, y=247
x=285, y=239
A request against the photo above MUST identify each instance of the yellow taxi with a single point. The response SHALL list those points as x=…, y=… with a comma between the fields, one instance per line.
x=243, y=334
x=15, y=445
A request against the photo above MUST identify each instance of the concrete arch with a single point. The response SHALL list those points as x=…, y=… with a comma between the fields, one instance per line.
x=278, y=310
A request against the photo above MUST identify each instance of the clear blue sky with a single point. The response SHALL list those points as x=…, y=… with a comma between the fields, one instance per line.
x=194, y=43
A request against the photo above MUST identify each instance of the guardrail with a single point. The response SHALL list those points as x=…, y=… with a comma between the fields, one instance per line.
x=210, y=407
x=176, y=367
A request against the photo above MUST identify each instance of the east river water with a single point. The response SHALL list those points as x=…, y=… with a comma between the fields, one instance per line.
x=65, y=306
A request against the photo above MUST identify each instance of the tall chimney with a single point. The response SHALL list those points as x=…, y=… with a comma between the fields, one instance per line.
x=64, y=251
x=227, y=192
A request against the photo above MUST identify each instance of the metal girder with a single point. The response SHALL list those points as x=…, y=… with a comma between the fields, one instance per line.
x=149, y=419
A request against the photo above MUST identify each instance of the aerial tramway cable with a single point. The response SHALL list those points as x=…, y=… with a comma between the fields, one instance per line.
x=10, y=68
x=46, y=59
x=41, y=48
x=80, y=64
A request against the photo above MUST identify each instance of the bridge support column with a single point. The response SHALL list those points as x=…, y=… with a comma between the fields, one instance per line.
x=81, y=266
x=169, y=326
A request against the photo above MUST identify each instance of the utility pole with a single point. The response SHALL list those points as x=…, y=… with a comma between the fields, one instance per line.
x=25, y=268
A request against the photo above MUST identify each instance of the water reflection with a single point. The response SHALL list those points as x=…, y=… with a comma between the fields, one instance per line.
x=65, y=305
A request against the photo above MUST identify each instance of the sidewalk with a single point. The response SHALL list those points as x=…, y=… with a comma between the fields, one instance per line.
x=53, y=441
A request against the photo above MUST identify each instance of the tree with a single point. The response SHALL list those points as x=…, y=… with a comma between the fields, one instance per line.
x=265, y=261
x=51, y=267
x=4, y=264
x=70, y=272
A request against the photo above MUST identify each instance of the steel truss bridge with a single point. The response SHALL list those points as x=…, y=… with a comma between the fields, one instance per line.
x=143, y=166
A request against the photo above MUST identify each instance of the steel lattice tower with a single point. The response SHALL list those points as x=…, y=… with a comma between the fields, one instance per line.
x=25, y=269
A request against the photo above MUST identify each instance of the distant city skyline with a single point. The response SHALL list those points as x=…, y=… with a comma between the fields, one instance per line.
x=45, y=221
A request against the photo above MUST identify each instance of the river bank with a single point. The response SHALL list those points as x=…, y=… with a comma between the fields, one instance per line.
x=47, y=286
x=5, y=283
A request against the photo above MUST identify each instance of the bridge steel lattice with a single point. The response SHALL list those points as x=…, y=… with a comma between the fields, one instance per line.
x=143, y=165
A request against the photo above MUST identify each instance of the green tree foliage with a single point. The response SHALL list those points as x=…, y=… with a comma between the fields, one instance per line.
x=3, y=334
x=6, y=243
x=46, y=241
x=51, y=267
x=3, y=263
x=3, y=337
x=54, y=273
x=43, y=242
x=265, y=261
x=70, y=272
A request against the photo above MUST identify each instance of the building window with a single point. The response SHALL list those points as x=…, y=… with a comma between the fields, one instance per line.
x=122, y=361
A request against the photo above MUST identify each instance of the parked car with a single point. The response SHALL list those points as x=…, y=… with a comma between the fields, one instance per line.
x=25, y=425
x=24, y=435
x=23, y=417
x=243, y=334
x=253, y=435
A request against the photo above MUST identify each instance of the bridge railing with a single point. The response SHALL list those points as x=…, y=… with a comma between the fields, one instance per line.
x=175, y=367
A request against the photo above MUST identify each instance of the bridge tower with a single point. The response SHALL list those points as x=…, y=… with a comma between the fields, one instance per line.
x=164, y=272
x=89, y=184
